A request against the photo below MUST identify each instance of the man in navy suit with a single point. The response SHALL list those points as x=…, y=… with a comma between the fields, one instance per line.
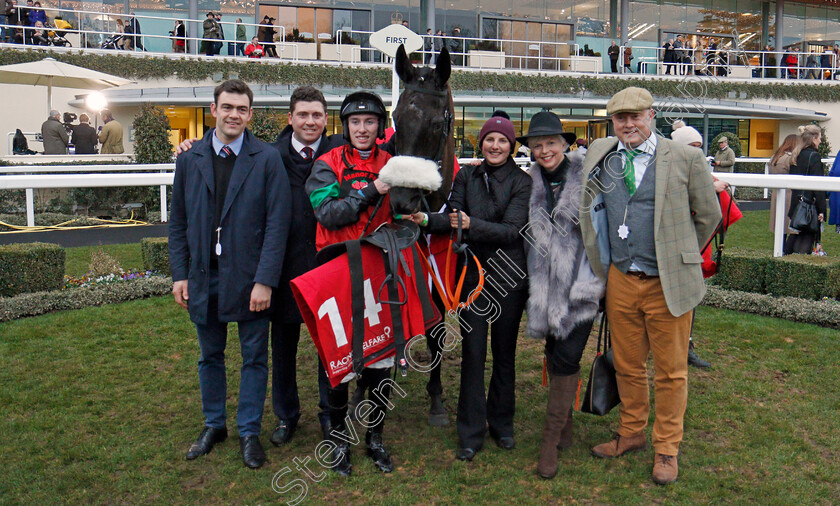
x=229, y=223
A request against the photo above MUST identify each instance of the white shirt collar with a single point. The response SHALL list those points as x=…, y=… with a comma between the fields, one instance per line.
x=298, y=146
x=648, y=147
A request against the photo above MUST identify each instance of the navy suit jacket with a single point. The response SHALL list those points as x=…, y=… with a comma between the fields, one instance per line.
x=255, y=225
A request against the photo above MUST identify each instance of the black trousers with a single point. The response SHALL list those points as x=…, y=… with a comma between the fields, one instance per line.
x=563, y=356
x=378, y=385
x=614, y=65
x=475, y=411
x=802, y=243
x=284, y=389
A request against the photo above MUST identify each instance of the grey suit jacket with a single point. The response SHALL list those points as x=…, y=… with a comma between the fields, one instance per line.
x=686, y=213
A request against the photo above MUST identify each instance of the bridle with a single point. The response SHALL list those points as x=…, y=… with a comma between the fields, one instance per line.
x=448, y=118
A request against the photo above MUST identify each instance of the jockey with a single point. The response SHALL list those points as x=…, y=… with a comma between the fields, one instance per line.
x=348, y=198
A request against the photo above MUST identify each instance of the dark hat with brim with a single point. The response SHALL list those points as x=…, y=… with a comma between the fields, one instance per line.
x=545, y=124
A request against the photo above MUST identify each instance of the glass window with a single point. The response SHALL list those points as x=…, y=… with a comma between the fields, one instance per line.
x=644, y=18
x=794, y=24
x=592, y=17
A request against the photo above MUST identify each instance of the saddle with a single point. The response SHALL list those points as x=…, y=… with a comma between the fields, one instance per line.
x=394, y=240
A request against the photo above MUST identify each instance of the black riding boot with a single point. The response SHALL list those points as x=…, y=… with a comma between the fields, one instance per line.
x=377, y=452
x=341, y=453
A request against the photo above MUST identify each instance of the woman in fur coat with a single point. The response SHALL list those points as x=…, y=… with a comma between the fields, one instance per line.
x=564, y=292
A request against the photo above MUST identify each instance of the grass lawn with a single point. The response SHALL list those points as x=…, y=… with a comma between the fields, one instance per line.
x=99, y=406
x=78, y=259
x=752, y=232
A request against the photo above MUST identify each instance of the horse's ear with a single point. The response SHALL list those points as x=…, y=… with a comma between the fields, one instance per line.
x=443, y=68
x=403, y=66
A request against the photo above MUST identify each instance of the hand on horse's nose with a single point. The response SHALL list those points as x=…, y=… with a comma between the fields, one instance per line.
x=381, y=186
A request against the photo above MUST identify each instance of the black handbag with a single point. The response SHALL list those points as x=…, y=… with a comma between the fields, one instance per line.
x=602, y=390
x=805, y=217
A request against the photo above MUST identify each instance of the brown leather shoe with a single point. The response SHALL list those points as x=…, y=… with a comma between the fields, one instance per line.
x=665, y=469
x=619, y=445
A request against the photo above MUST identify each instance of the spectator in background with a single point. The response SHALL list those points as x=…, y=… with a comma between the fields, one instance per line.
x=240, y=38
x=792, y=62
x=807, y=163
x=128, y=39
x=54, y=134
x=135, y=29
x=39, y=36
x=221, y=33
x=111, y=136
x=628, y=57
x=438, y=43
x=254, y=49
x=6, y=14
x=780, y=164
x=405, y=23
x=179, y=43
x=267, y=38
x=833, y=197
x=211, y=33
x=725, y=157
x=812, y=63
x=37, y=14
x=23, y=13
x=826, y=63
x=766, y=70
x=581, y=146
x=612, y=52
x=84, y=136
x=679, y=54
x=456, y=47
x=668, y=56
x=428, y=44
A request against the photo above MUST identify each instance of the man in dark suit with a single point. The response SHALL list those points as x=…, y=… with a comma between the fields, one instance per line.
x=227, y=237
x=84, y=137
x=300, y=144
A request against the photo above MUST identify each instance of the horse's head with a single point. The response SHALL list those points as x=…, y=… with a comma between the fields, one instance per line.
x=423, y=120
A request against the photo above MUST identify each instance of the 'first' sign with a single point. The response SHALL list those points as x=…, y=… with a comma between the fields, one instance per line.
x=388, y=40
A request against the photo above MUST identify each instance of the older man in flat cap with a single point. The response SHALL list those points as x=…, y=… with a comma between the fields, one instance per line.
x=648, y=207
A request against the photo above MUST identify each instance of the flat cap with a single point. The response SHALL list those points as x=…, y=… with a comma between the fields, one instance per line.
x=629, y=100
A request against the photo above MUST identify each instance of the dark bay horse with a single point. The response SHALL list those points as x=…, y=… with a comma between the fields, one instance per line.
x=423, y=120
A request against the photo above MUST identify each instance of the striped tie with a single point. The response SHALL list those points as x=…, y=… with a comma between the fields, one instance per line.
x=226, y=152
x=307, y=153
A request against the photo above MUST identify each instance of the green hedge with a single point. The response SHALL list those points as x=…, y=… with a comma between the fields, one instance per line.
x=30, y=267
x=744, y=271
x=256, y=72
x=33, y=304
x=825, y=313
x=156, y=254
x=802, y=276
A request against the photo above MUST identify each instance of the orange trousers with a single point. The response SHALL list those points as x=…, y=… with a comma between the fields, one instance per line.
x=640, y=322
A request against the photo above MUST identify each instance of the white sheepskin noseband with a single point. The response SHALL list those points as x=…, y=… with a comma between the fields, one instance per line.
x=411, y=172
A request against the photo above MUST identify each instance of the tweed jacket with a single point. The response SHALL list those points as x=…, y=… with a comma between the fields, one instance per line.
x=686, y=213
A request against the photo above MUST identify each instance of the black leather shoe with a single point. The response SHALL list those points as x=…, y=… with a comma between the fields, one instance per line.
x=283, y=432
x=376, y=451
x=253, y=454
x=209, y=436
x=341, y=457
x=466, y=454
x=505, y=442
x=696, y=361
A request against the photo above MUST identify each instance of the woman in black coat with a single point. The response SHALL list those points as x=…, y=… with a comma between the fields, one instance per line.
x=807, y=163
x=491, y=200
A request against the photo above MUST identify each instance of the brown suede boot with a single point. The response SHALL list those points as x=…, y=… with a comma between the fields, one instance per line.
x=561, y=395
x=566, y=431
x=619, y=445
